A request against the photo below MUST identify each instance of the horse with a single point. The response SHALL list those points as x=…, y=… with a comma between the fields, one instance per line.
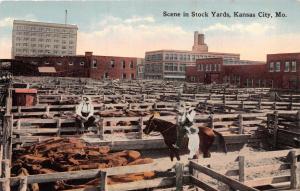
x=169, y=132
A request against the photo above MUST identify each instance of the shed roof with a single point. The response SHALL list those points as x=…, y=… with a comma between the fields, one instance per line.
x=26, y=90
x=45, y=69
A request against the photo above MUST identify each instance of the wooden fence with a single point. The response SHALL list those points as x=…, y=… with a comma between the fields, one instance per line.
x=284, y=173
x=234, y=178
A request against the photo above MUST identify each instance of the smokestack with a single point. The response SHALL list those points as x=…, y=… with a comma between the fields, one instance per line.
x=199, y=44
x=66, y=16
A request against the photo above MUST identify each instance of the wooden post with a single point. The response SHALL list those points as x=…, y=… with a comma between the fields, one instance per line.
x=275, y=130
x=259, y=103
x=211, y=117
x=240, y=122
x=58, y=126
x=242, y=169
x=179, y=169
x=1, y=157
x=100, y=131
x=7, y=136
x=8, y=104
x=242, y=105
x=19, y=110
x=274, y=105
x=295, y=171
x=103, y=181
x=6, y=175
x=23, y=184
x=141, y=122
x=48, y=110
x=291, y=102
x=298, y=119
x=224, y=102
x=205, y=106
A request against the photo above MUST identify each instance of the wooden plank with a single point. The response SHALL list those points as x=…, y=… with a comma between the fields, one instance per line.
x=267, y=181
x=201, y=184
x=155, y=183
x=230, y=182
x=85, y=174
x=267, y=168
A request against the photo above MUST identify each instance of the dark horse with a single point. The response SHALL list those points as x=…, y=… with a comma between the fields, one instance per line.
x=169, y=133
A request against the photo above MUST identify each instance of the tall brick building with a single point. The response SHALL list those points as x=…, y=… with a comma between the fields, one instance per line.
x=280, y=71
x=39, y=38
x=88, y=65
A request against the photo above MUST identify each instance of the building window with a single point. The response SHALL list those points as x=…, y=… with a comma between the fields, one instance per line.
x=167, y=57
x=71, y=63
x=124, y=76
x=294, y=67
x=132, y=76
x=112, y=63
x=106, y=75
x=271, y=67
x=287, y=66
x=277, y=67
x=238, y=80
x=175, y=67
x=58, y=63
x=123, y=64
x=94, y=63
x=131, y=64
x=81, y=63
x=46, y=63
x=182, y=67
x=213, y=68
x=200, y=67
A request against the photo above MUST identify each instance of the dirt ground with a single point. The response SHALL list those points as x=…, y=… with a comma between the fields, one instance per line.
x=222, y=162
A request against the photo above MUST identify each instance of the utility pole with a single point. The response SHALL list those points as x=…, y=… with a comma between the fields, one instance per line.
x=66, y=16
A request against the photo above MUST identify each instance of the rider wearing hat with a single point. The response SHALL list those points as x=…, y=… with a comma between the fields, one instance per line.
x=186, y=128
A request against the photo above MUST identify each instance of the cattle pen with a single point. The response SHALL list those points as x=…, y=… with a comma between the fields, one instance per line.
x=265, y=119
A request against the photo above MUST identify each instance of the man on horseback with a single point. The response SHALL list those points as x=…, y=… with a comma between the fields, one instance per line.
x=186, y=128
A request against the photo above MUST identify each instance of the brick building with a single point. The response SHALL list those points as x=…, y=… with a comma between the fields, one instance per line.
x=284, y=70
x=88, y=65
x=171, y=64
x=280, y=71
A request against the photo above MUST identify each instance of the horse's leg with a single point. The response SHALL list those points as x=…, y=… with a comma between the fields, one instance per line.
x=171, y=154
x=177, y=154
x=209, y=141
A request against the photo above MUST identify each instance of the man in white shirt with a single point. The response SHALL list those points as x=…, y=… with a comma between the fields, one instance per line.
x=85, y=113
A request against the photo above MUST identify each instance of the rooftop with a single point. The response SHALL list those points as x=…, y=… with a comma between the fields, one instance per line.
x=45, y=24
x=194, y=52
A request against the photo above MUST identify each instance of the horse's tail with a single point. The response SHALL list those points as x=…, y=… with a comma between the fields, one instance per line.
x=221, y=141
